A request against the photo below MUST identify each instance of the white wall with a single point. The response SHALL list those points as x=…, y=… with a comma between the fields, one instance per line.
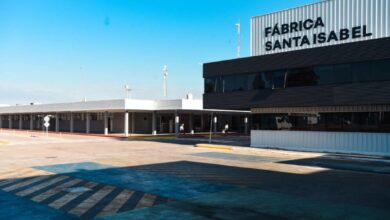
x=336, y=14
x=339, y=142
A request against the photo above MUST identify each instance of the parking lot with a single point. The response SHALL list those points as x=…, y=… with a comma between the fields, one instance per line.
x=85, y=177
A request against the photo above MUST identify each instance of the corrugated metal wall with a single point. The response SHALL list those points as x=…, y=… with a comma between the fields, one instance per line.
x=336, y=14
x=338, y=142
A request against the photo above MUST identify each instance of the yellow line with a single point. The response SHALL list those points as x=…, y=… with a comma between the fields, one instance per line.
x=150, y=137
x=4, y=142
x=212, y=146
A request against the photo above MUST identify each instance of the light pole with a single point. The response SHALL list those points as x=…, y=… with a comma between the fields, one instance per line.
x=127, y=90
x=165, y=72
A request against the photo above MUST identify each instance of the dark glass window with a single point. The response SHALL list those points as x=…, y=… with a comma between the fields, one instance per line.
x=342, y=73
x=361, y=72
x=347, y=122
x=310, y=76
x=278, y=79
x=381, y=69
x=251, y=82
x=235, y=83
x=262, y=81
x=210, y=85
x=301, y=77
x=324, y=74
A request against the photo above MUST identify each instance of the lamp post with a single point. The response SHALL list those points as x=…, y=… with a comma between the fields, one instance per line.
x=165, y=72
x=127, y=90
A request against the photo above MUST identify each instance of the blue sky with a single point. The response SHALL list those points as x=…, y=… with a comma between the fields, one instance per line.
x=65, y=50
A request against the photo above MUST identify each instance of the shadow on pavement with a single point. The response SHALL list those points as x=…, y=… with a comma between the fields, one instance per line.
x=192, y=190
x=343, y=164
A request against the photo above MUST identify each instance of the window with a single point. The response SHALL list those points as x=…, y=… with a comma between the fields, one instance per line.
x=278, y=79
x=342, y=73
x=362, y=72
x=381, y=70
x=252, y=82
x=301, y=77
x=308, y=76
x=235, y=83
x=347, y=122
x=210, y=85
x=324, y=74
x=213, y=85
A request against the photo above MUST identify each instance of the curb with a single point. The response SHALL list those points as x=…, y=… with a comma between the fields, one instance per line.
x=213, y=146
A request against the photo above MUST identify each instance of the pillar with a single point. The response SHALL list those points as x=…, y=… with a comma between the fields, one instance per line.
x=126, y=125
x=71, y=123
x=20, y=122
x=87, y=123
x=177, y=125
x=10, y=121
x=31, y=122
x=202, y=122
x=133, y=122
x=112, y=123
x=154, y=131
x=191, y=121
x=215, y=121
x=105, y=123
x=1, y=121
x=246, y=125
x=57, y=122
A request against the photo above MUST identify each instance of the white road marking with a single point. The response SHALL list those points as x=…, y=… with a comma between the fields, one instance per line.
x=55, y=190
x=146, y=201
x=69, y=197
x=91, y=201
x=41, y=186
x=25, y=183
x=116, y=203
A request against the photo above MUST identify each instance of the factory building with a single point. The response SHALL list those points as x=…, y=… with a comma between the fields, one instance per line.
x=318, y=78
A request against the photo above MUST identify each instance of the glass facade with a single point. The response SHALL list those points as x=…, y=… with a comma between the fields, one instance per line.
x=348, y=122
x=378, y=70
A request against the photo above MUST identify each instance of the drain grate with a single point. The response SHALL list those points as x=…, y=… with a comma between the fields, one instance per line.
x=77, y=189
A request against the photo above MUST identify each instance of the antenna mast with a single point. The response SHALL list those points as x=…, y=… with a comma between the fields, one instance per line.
x=238, y=25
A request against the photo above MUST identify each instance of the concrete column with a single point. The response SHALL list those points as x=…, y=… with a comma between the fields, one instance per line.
x=20, y=122
x=105, y=123
x=112, y=123
x=132, y=122
x=177, y=123
x=154, y=129
x=31, y=122
x=246, y=124
x=202, y=122
x=71, y=123
x=126, y=124
x=191, y=121
x=10, y=121
x=215, y=123
x=87, y=123
x=57, y=122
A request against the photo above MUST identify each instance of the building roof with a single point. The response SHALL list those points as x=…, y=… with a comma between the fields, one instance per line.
x=119, y=105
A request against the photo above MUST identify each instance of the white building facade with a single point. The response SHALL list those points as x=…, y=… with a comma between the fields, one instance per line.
x=125, y=116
